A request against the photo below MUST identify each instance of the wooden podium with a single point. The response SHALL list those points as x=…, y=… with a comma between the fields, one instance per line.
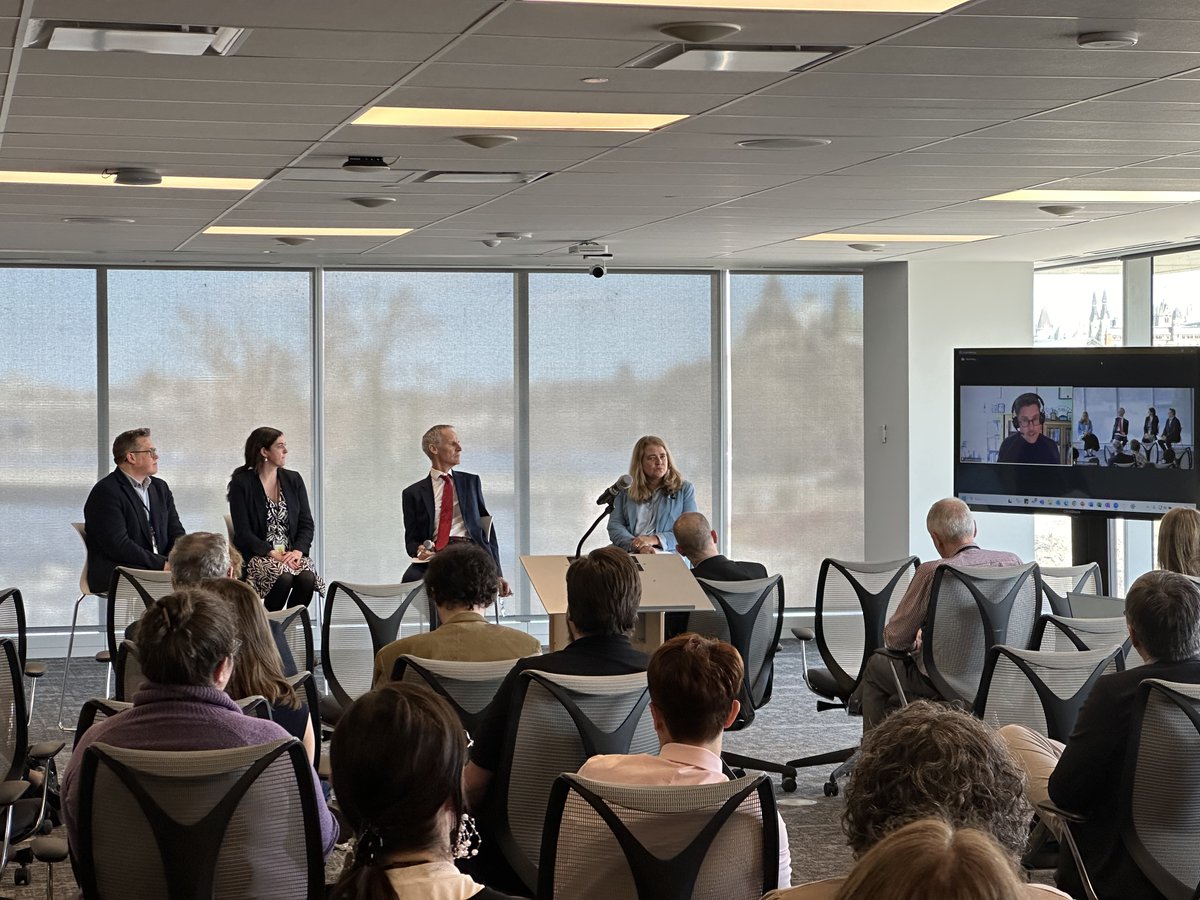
x=667, y=586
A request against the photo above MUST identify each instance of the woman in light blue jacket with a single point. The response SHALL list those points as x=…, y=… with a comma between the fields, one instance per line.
x=643, y=516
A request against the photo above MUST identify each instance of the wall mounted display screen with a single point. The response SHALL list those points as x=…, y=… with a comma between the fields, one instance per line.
x=1107, y=431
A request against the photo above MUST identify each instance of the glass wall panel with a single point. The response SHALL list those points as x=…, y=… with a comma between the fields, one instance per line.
x=609, y=361
x=797, y=372
x=404, y=351
x=48, y=435
x=203, y=358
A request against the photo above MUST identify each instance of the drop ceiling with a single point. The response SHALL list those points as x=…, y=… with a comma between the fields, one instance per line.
x=925, y=116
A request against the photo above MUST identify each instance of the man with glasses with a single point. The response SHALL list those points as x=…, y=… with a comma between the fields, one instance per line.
x=1029, y=445
x=129, y=516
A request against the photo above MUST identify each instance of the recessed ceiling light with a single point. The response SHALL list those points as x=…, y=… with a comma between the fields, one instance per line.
x=847, y=237
x=1060, y=210
x=98, y=220
x=480, y=177
x=1085, y=196
x=734, y=57
x=525, y=119
x=272, y=231
x=594, y=79
x=96, y=179
x=864, y=6
x=371, y=202
x=1107, y=40
x=365, y=164
x=486, y=141
x=793, y=143
x=175, y=40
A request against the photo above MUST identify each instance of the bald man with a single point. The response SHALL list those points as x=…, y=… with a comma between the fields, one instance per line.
x=695, y=539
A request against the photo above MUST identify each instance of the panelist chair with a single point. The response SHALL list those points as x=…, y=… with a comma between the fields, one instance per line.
x=555, y=723
x=854, y=602
x=84, y=593
x=237, y=824
x=360, y=620
x=1060, y=581
x=12, y=626
x=660, y=842
x=469, y=687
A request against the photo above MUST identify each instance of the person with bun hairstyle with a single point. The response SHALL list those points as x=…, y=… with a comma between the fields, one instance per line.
x=187, y=645
x=397, y=758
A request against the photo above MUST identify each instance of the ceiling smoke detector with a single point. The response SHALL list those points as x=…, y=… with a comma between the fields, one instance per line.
x=486, y=141
x=1107, y=40
x=371, y=202
x=787, y=143
x=365, y=164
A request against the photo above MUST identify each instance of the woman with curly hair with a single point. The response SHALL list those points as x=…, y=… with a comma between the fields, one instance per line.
x=643, y=516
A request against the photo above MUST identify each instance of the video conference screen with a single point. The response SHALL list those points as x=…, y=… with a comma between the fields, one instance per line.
x=1108, y=431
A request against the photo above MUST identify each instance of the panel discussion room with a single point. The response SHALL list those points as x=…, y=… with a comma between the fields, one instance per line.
x=737, y=449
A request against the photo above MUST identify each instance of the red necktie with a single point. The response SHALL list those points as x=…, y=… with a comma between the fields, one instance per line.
x=446, y=514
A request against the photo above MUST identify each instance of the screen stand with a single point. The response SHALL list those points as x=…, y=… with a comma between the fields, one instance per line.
x=1089, y=543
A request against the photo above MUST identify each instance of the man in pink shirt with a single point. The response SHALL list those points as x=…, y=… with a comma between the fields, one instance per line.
x=694, y=683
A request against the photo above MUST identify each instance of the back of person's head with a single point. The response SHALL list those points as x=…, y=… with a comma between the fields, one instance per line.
x=198, y=556
x=693, y=683
x=259, y=668
x=184, y=636
x=1163, y=611
x=693, y=533
x=951, y=520
x=1135, y=445
x=929, y=858
x=1179, y=541
x=928, y=760
x=603, y=592
x=397, y=758
x=462, y=576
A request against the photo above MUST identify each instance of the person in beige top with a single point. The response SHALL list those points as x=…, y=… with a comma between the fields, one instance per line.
x=462, y=581
x=931, y=761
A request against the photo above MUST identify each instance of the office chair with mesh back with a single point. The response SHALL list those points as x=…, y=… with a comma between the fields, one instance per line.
x=1059, y=581
x=1063, y=633
x=296, y=625
x=129, y=677
x=238, y=823
x=84, y=593
x=12, y=625
x=469, y=687
x=360, y=620
x=854, y=602
x=132, y=592
x=672, y=842
x=556, y=722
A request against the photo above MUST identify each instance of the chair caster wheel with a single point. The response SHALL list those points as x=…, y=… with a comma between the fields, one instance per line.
x=21, y=876
x=789, y=785
x=831, y=789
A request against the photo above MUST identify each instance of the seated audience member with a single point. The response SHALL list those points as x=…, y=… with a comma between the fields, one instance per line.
x=694, y=684
x=1091, y=444
x=603, y=594
x=952, y=530
x=462, y=581
x=406, y=808
x=696, y=540
x=259, y=669
x=931, y=859
x=1179, y=542
x=187, y=642
x=1125, y=455
x=1162, y=610
x=1139, y=454
x=199, y=556
x=932, y=761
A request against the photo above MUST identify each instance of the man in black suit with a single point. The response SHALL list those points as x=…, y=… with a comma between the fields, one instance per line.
x=1172, y=429
x=695, y=539
x=1120, y=432
x=1162, y=610
x=129, y=516
x=432, y=514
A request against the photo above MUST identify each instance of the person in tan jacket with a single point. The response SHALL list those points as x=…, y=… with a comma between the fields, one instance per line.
x=462, y=582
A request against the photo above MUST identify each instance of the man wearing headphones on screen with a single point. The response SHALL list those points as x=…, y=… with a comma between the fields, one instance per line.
x=1029, y=445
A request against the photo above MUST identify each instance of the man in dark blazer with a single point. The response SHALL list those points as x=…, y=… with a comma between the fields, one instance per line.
x=1163, y=613
x=1172, y=429
x=696, y=539
x=422, y=505
x=1120, y=432
x=129, y=517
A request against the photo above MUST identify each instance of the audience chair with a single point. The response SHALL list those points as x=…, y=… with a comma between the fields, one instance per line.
x=753, y=618
x=84, y=593
x=12, y=625
x=1063, y=633
x=854, y=602
x=1160, y=791
x=468, y=686
x=96, y=710
x=971, y=610
x=1041, y=689
x=128, y=671
x=305, y=686
x=132, y=592
x=673, y=842
x=239, y=823
x=555, y=723
x=1059, y=581
x=360, y=620
x=1095, y=606
x=296, y=625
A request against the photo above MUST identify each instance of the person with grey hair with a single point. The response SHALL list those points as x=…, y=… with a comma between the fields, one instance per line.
x=198, y=556
x=1162, y=612
x=952, y=530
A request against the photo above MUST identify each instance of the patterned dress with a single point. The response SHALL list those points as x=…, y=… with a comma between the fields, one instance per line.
x=262, y=571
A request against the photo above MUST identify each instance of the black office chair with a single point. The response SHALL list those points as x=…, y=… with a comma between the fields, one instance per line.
x=12, y=625
x=1059, y=582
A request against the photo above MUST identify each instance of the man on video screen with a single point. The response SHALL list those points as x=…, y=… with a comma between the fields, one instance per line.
x=1029, y=445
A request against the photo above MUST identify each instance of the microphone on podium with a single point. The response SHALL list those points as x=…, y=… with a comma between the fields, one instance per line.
x=610, y=493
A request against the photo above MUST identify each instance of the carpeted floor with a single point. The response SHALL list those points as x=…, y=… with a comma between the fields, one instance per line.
x=787, y=728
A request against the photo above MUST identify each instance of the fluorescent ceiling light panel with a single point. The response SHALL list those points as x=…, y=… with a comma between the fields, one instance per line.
x=1039, y=196
x=114, y=39
x=846, y=237
x=95, y=179
x=517, y=119
x=869, y=6
x=306, y=232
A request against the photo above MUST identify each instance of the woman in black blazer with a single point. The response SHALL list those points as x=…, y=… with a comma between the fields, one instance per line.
x=272, y=523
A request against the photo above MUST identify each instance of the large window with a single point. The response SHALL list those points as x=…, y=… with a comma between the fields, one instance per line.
x=797, y=382
x=48, y=438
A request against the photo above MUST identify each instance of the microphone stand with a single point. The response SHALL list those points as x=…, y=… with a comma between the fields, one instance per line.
x=604, y=515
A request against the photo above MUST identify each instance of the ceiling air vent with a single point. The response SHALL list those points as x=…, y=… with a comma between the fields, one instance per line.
x=134, y=37
x=735, y=57
x=481, y=177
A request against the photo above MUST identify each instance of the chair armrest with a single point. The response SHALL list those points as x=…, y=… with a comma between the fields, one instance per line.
x=804, y=634
x=1048, y=807
x=46, y=749
x=35, y=669
x=11, y=792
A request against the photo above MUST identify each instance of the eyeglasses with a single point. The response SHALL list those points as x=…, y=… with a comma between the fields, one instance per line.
x=153, y=451
x=470, y=741
x=1025, y=423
